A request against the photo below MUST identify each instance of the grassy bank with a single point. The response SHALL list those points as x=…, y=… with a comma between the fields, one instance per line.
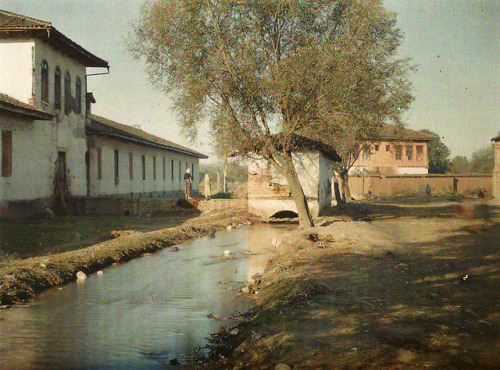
x=22, y=279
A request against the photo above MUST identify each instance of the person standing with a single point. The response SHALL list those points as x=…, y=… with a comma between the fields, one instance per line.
x=208, y=187
x=188, y=183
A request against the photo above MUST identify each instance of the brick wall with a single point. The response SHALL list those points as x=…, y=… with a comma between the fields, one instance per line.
x=261, y=186
x=414, y=184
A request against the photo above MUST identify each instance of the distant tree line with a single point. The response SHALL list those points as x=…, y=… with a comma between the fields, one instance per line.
x=481, y=161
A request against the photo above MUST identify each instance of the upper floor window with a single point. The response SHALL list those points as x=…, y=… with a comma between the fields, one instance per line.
x=409, y=152
x=420, y=152
x=398, y=151
x=78, y=96
x=366, y=152
x=57, y=88
x=67, y=94
x=45, y=81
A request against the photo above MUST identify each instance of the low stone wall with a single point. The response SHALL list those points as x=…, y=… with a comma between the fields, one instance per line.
x=119, y=206
x=360, y=186
x=212, y=204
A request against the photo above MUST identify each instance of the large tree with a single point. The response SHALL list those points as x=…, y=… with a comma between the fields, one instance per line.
x=263, y=71
x=438, y=154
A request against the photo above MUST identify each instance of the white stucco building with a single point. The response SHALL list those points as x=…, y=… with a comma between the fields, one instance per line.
x=51, y=146
x=268, y=190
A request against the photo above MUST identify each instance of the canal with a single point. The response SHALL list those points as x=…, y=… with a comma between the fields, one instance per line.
x=140, y=314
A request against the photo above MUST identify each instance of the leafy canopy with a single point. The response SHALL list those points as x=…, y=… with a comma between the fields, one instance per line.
x=262, y=71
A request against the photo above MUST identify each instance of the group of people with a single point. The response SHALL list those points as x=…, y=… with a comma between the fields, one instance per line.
x=188, y=185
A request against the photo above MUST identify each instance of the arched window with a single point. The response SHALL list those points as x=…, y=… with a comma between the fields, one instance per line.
x=45, y=81
x=78, y=96
x=68, y=104
x=57, y=88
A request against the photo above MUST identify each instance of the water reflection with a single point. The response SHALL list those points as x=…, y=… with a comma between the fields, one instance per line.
x=140, y=314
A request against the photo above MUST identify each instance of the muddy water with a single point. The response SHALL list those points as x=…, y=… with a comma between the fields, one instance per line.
x=140, y=314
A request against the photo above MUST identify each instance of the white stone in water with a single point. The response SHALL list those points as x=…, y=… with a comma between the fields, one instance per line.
x=99, y=273
x=282, y=367
x=80, y=275
x=276, y=242
x=227, y=253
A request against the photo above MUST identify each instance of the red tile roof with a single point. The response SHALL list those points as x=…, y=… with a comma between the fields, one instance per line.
x=12, y=24
x=392, y=132
x=9, y=104
x=103, y=126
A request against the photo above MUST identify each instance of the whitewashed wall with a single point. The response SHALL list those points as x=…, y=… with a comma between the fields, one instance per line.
x=137, y=186
x=20, y=77
x=315, y=173
x=70, y=133
x=16, y=68
x=33, y=159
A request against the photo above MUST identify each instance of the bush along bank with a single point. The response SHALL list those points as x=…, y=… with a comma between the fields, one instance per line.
x=21, y=280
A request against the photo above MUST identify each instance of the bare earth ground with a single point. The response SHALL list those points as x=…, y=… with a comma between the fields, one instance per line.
x=415, y=287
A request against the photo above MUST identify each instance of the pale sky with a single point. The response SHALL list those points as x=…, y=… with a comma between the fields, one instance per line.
x=454, y=43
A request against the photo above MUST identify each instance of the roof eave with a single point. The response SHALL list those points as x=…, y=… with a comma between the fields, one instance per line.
x=30, y=113
x=130, y=138
x=60, y=41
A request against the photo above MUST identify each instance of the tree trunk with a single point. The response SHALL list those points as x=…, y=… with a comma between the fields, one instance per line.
x=336, y=188
x=305, y=217
x=346, y=192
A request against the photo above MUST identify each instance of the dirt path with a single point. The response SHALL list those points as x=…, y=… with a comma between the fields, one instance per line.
x=418, y=291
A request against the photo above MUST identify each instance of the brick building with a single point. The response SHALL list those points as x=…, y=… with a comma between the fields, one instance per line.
x=396, y=151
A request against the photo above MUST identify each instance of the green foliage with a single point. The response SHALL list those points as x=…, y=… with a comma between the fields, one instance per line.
x=482, y=161
x=438, y=154
x=262, y=71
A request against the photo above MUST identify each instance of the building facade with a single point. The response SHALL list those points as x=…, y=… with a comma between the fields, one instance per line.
x=395, y=152
x=50, y=145
x=126, y=161
x=268, y=190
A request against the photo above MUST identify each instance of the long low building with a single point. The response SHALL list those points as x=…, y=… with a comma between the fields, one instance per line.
x=52, y=148
x=127, y=161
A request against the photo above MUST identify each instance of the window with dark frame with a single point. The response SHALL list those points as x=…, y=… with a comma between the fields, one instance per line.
x=131, y=165
x=99, y=163
x=164, y=169
x=420, y=152
x=57, y=88
x=409, y=152
x=6, y=153
x=192, y=170
x=144, y=167
x=172, y=169
x=68, y=106
x=154, y=168
x=78, y=96
x=117, y=167
x=387, y=148
x=398, y=152
x=180, y=170
x=45, y=81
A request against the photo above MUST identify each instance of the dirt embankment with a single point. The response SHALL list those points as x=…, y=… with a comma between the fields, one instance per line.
x=22, y=279
x=395, y=292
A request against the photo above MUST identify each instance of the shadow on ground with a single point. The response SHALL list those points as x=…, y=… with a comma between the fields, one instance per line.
x=23, y=238
x=428, y=305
